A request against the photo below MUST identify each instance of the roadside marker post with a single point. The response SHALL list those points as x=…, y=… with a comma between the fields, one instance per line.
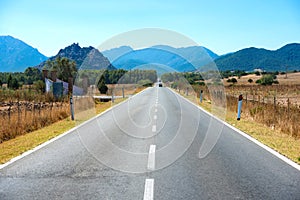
x=72, y=108
x=112, y=97
x=201, y=96
x=240, y=107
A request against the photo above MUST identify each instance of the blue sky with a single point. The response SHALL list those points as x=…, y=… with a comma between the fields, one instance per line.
x=222, y=26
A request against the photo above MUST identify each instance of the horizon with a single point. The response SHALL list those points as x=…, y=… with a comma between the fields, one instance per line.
x=221, y=26
x=140, y=48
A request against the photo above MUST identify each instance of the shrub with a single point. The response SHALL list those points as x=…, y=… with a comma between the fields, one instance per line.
x=266, y=79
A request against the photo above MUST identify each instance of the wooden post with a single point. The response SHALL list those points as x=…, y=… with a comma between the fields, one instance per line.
x=70, y=86
x=288, y=108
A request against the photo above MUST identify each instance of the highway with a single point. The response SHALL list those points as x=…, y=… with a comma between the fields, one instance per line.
x=148, y=148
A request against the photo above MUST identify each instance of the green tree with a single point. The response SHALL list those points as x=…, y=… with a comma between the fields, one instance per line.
x=102, y=86
x=267, y=79
x=65, y=67
x=32, y=74
x=12, y=83
x=9, y=80
x=232, y=80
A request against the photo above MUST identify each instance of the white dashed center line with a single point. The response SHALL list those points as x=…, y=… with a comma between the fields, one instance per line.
x=155, y=117
x=154, y=128
x=151, y=158
x=149, y=186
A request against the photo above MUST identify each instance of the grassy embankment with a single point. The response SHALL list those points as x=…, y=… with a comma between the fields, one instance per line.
x=21, y=143
x=283, y=143
x=14, y=147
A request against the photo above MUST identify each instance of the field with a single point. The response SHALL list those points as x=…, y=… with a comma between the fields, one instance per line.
x=24, y=111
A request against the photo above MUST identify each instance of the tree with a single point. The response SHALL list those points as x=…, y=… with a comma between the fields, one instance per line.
x=250, y=80
x=102, y=86
x=9, y=79
x=266, y=79
x=1, y=83
x=32, y=74
x=12, y=83
x=232, y=80
x=65, y=67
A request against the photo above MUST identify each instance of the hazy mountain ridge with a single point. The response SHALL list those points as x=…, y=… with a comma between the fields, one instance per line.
x=16, y=55
x=258, y=58
x=177, y=59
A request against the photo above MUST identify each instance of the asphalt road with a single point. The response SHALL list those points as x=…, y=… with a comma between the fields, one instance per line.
x=148, y=147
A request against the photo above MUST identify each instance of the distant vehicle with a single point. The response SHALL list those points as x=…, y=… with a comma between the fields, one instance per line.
x=160, y=84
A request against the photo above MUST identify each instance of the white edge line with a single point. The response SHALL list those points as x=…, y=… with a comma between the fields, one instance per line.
x=270, y=150
x=26, y=153
x=149, y=187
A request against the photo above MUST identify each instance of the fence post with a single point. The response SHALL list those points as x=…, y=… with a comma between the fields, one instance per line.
x=288, y=108
x=187, y=91
x=123, y=94
x=240, y=107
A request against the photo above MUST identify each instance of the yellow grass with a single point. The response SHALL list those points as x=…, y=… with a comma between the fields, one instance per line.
x=14, y=147
x=292, y=79
x=284, y=144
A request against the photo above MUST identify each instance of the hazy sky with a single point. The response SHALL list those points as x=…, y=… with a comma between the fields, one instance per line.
x=222, y=26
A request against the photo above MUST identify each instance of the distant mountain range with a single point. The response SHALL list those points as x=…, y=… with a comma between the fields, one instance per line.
x=161, y=57
x=85, y=58
x=253, y=58
x=16, y=56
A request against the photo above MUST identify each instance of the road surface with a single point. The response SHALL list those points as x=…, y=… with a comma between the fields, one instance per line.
x=148, y=148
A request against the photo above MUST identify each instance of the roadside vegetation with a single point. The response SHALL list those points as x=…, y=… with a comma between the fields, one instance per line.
x=14, y=147
x=270, y=111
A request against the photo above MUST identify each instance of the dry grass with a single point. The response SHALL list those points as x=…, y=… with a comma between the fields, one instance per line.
x=276, y=139
x=14, y=147
x=25, y=121
x=260, y=125
x=85, y=108
x=292, y=79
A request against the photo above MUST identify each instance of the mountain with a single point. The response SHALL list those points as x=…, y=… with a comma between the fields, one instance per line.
x=85, y=57
x=163, y=58
x=114, y=53
x=253, y=58
x=16, y=56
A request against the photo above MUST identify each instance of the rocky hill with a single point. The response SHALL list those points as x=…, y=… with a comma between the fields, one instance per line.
x=84, y=57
